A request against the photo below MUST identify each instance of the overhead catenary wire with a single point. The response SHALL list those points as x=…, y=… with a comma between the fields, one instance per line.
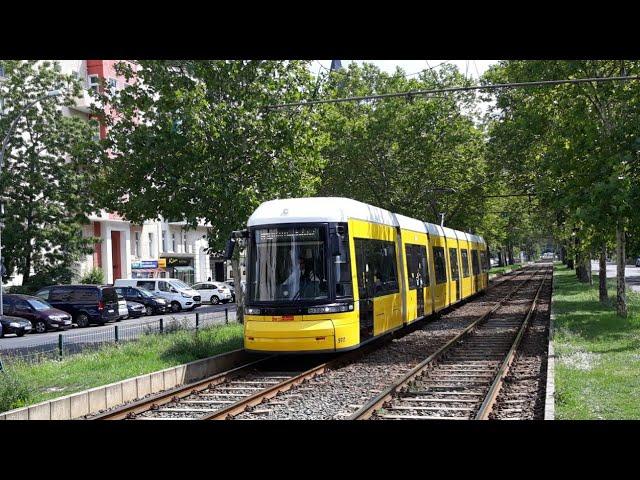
x=414, y=93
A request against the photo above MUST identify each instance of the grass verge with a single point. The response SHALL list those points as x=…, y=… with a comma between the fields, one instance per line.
x=501, y=270
x=25, y=383
x=597, y=373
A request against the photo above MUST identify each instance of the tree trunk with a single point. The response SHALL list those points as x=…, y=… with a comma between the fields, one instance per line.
x=583, y=268
x=501, y=262
x=563, y=255
x=237, y=278
x=621, y=301
x=602, y=275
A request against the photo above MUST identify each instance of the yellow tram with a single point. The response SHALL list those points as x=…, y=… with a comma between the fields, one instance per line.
x=328, y=274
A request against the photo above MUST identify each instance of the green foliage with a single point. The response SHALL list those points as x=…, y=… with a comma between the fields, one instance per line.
x=405, y=156
x=35, y=382
x=575, y=145
x=95, y=276
x=14, y=391
x=207, y=148
x=47, y=168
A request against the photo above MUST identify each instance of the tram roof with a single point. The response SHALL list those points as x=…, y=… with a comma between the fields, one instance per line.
x=341, y=209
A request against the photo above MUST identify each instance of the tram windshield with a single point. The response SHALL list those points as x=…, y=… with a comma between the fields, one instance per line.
x=288, y=264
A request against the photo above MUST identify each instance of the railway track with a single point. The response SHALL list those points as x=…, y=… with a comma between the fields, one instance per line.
x=230, y=393
x=463, y=378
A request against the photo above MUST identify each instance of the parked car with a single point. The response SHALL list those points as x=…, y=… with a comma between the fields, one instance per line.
x=179, y=295
x=214, y=292
x=85, y=303
x=638, y=262
x=152, y=303
x=41, y=315
x=136, y=309
x=123, y=311
x=16, y=325
x=231, y=289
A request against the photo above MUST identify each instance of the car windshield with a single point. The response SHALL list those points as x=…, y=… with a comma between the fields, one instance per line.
x=288, y=264
x=179, y=284
x=39, y=304
x=145, y=293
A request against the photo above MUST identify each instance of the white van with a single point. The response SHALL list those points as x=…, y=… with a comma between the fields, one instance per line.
x=179, y=295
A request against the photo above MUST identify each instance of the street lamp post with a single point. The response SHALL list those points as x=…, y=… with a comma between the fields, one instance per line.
x=5, y=142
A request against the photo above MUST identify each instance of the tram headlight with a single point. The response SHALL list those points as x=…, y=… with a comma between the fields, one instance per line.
x=252, y=311
x=331, y=309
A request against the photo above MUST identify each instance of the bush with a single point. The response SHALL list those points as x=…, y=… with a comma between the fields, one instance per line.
x=14, y=392
x=95, y=276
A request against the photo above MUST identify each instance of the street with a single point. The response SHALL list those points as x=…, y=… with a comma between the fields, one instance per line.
x=105, y=333
x=632, y=274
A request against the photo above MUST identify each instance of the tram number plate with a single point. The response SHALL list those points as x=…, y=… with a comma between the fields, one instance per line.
x=283, y=318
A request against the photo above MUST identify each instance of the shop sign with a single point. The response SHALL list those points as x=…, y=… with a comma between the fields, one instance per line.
x=145, y=264
x=179, y=262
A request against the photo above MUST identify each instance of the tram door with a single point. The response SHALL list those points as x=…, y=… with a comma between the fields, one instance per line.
x=455, y=272
x=365, y=288
x=417, y=273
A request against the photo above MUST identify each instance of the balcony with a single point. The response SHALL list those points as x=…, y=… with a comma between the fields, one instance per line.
x=83, y=102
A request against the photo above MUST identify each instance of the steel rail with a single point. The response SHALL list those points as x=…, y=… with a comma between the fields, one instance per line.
x=257, y=398
x=130, y=410
x=377, y=402
x=496, y=385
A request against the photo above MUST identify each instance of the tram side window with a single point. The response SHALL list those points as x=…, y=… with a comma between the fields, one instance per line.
x=342, y=267
x=453, y=260
x=465, y=262
x=440, y=264
x=376, y=266
x=417, y=266
x=474, y=262
x=483, y=261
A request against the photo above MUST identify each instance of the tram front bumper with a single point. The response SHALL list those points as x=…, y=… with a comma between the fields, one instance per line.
x=299, y=336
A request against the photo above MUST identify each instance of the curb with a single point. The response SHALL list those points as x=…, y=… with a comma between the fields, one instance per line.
x=549, y=403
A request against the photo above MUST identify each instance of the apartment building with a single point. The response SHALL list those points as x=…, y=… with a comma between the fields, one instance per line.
x=157, y=248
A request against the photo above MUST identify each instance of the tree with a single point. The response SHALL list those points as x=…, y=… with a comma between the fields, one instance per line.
x=576, y=144
x=420, y=157
x=48, y=163
x=192, y=140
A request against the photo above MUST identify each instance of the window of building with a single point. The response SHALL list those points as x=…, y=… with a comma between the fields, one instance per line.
x=376, y=266
x=417, y=271
x=474, y=262
x=440, y=265
x=136, y=244
x=465, y=262
x=112, y=84
x=453, y=260
x=184, y=241
x=173, y=242
x=151, y=244
x=164, y=240
x=93, y=82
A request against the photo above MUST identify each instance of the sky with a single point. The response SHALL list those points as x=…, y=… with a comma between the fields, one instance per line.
x=473, y=68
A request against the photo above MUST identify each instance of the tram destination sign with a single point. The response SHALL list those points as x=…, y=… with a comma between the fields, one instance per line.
x=267, y=235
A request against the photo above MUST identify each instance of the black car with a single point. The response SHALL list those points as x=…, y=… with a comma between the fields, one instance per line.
x=86, y=303
x=16, y=325
x=41, y=315
x=152, y=303
x=638, y=262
